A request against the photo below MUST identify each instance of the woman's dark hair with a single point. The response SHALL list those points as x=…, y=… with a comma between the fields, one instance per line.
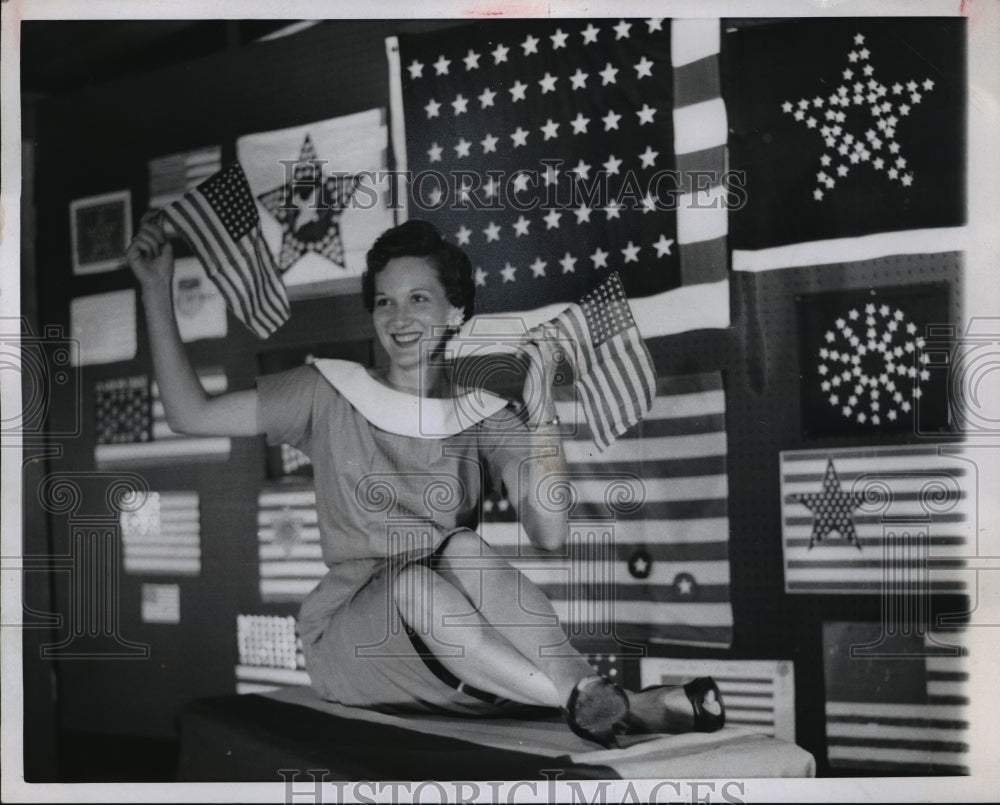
x=417, y=238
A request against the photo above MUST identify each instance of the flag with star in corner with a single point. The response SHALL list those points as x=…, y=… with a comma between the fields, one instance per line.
x=866, y=366
x=322, y=195
x=846, y=127
x=898, y=518
x=555, y=152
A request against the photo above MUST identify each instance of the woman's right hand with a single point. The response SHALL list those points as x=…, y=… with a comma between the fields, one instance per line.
x=150, y=255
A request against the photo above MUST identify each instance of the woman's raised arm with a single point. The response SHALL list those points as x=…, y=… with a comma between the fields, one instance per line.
x=187, y=407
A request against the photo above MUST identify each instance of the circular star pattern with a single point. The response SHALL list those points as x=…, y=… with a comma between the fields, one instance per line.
x=869, y=367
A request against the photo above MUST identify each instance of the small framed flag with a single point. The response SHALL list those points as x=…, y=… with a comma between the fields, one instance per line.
x=101, y=228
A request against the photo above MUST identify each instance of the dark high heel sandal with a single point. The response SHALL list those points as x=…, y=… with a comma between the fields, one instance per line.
x=698, y=691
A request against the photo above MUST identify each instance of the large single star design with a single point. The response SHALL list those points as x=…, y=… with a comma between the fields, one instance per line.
x=832, y=509
x=858, y=120
x=309, y=207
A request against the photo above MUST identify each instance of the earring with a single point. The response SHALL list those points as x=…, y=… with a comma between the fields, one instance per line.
x=456, y=318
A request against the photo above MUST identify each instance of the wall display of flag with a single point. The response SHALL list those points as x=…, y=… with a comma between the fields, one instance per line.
x=123, y=400
x=100, y=230
x=896, y=703
x=199, y=308
x=864, y=364
x=758, y=694
x=291, y=561
x=161, y=603
x=163, y=536
x=657, y=570
x=170, y=177
x=887, y=520
x=220, y=222
x=557, y=151
x=846, y=127
x=123, y=410
x=322, y=192
x=269, y=653
x=103, y=324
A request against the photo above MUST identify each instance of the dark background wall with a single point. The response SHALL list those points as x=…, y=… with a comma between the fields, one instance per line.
x=99, y=139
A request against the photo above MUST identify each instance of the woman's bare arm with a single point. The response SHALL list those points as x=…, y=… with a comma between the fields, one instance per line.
x=187, y=407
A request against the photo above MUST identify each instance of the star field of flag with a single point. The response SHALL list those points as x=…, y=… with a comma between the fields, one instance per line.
x=864, y=364
x=846, y=127
x=123, y=411
x=548, y=137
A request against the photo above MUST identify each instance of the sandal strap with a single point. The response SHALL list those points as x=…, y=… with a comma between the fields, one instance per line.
x=696, y=690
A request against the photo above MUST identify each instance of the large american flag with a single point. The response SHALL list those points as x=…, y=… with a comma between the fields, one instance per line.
x=557, y=152
x=219, y=219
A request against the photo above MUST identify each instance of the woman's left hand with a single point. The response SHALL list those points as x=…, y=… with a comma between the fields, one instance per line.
x=545, y=353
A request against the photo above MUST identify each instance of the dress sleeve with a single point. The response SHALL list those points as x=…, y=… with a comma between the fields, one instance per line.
x=285, y=405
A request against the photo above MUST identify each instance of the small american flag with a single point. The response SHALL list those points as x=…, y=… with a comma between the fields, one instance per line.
x=219, y=219
x=291, y=558
x=614, y=371
x=163, y=536
x=270, y=653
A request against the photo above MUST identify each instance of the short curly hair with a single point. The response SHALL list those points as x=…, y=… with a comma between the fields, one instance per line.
x=418, y=238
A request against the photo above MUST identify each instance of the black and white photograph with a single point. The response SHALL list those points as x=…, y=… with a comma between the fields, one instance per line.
x=500, y=402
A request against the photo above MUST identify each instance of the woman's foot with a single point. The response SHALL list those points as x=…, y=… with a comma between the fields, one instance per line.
x=694, y=707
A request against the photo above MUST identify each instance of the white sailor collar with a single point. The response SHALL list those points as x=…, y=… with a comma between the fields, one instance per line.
x=407, y=414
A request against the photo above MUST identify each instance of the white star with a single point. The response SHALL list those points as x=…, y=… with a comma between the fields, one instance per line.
x=471, y=60
x=612, y=164
x=551, y=174
x=558, y=39
x=552, y=219
x=548, y=83
x=416, y=69
x=521, y=226
x=631, y=253
x=613, y=210
x=589, y=34
x=441, y=65
x=500, y=53
x=579, y=123
x=520, y=137
x=463, y=234
x=517, y=91
x=608, y=75
x=582, y=170
x=530, y=45
x=663, y=245
x=582, y=215
x=818, y=194
x=646, y=114
x=787, y=107
x=520, y=182
x=435, y=197
x=655, y=24
x=600, y=258
x=644, y=68
x=489, y=144
x=486, y=98
x=492, y=232
x=864, y=53
x=490, y=188
x=549, y=129
x=432, y=108
x=611, y=120
x=434, y=152
x=578, y=79
x=462, y=148
x=568, y=264
x=508, y=272
x=648, y=203
x=480, y=276
x=859, y=39
x=648, y=157
x=460, y=104
x=928, y=85
x=538, y=267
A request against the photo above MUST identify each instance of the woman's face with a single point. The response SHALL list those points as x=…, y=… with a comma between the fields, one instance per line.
x=411, y=307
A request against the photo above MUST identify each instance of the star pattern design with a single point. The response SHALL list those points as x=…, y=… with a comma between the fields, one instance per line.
x=869, y=367
x=858, y=120
x=832, y=509
x=308, y=208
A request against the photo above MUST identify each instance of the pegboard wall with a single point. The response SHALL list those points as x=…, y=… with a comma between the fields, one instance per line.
x=101, y=139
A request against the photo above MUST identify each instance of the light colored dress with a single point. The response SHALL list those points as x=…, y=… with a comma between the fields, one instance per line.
x=395, y=474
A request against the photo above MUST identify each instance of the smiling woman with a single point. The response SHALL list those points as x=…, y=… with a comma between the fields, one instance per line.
x=417, y=613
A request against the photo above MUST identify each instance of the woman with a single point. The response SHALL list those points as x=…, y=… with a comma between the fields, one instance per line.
x=417, y=613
